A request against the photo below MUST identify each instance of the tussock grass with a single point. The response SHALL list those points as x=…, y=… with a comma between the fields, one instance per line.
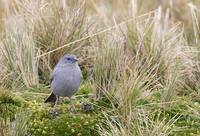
x=49, y=24
x=148, y=58
x=138, y=123
x=18, y=56
x=15, y=128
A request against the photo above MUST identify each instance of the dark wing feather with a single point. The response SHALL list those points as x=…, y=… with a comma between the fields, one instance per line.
x=52, y=98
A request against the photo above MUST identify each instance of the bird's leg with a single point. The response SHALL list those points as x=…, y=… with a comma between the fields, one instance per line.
x=61, y=100
x=54, y=112
x=72, y=106
x=57, y=100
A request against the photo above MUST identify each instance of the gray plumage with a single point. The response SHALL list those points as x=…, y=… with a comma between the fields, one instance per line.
x=65, y=78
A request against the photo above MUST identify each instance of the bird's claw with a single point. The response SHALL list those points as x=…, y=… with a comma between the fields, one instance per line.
x=53, y=113
x=87, y=107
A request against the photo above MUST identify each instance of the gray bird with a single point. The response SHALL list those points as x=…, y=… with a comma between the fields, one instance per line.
x=65, y=78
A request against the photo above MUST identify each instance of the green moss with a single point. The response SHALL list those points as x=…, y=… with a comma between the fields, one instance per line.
x=9, y=104
x=7, y=98
x=85, y=88
x=65, y=123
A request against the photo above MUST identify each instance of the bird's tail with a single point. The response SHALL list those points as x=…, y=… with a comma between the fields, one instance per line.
x=51, y=99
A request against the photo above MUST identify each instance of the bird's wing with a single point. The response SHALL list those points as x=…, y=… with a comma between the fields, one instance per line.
x=52, y=98
x=53, y=75
x=51, y=79
x=80, y=72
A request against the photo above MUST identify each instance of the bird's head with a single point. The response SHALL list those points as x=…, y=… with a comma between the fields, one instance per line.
x=68, y=59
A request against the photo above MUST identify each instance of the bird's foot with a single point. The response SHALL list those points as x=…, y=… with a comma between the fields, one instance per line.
x=61, y=101
x=53, y=113
x=87, y=107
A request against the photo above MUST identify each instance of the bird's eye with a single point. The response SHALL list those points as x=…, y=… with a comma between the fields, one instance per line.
x=68, y=59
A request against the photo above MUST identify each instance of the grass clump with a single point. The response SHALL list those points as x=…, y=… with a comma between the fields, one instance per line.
x=18, y=57
x=129, y=74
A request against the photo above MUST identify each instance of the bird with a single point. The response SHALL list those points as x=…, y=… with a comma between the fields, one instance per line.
x=65, y=78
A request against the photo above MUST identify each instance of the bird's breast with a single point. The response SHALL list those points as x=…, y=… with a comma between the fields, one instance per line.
x=66, y=81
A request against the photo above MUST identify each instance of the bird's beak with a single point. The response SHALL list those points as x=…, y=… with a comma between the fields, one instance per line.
x=75, y=59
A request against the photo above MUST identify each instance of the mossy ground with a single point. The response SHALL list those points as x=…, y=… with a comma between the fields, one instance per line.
x=44, y=120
